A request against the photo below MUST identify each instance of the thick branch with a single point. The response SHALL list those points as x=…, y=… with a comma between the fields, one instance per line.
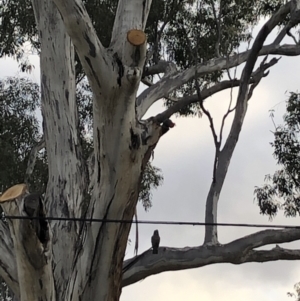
x=131, y=14
x=169, y=83
x=160, y=67
x=92, y=54
x=226, y=153
x=237, y=252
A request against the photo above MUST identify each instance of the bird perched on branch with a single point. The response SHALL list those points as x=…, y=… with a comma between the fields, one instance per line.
x=155, y=239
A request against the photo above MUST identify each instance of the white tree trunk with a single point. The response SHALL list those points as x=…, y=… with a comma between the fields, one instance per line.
x=83, y=261
x=67, y=186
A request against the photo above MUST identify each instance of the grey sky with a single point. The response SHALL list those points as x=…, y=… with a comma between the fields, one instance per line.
x=185, y=156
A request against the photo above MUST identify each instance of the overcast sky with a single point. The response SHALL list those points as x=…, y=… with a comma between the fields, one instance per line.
x=185, y=155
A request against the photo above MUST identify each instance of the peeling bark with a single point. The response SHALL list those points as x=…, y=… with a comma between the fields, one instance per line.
x=33, y=256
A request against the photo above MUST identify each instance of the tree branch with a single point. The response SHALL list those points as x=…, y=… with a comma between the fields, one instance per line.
x=236, y=252
x=92, y=54
x=187, y=100
x=32, y=158
x=225, y=155
x=169, y=83
x=207, y=92
x=160, y=67
x=131, y=14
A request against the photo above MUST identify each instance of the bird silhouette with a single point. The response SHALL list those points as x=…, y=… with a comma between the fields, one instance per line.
x=155, y=240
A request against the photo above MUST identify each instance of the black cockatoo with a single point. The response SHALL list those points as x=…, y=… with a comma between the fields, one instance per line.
x=155, y=239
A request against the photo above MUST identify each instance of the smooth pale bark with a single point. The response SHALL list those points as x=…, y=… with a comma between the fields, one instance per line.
x=67, y=184
x=86, y=259
x=122, y=146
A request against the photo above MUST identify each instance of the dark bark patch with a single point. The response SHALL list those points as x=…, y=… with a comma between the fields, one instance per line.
x=120, y=69
x=33, y=206
x=137, y=56
x=92, y=47
x=93, y=71
x=41, y=283
x=67, y=95
x=78, y=8
x=98, y=161
x=70, y=140
x=143, y=16
x=145, y=137
x=57, y=108
x=96, y=254
x=135, y=140
x=65, y=209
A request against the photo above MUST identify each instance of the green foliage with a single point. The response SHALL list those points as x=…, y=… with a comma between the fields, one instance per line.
x=17, y=26
x=283, y=188
x=151, y=178
x=19, y=132
x=177, y=30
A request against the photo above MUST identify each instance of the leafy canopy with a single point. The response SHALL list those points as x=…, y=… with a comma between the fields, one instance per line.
x=282, y=190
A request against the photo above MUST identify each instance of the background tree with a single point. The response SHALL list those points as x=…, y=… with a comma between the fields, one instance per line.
x=108, y=185
x=282, y=192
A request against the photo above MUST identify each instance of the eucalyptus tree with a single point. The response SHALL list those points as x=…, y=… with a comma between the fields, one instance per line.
x=181, y=56
x=281, y=192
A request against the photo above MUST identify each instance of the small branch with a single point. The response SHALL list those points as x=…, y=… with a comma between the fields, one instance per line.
x=218, y=25
x=183, y=102
x=294, y=20
x=212, y=127
x=265, y=237
x=207, y=113
x=260, y=73
x=229, y=110
x=187, y=100
x=256, y=78
x=32, y=159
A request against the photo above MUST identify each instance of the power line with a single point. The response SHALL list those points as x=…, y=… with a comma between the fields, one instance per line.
x=176, y=223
